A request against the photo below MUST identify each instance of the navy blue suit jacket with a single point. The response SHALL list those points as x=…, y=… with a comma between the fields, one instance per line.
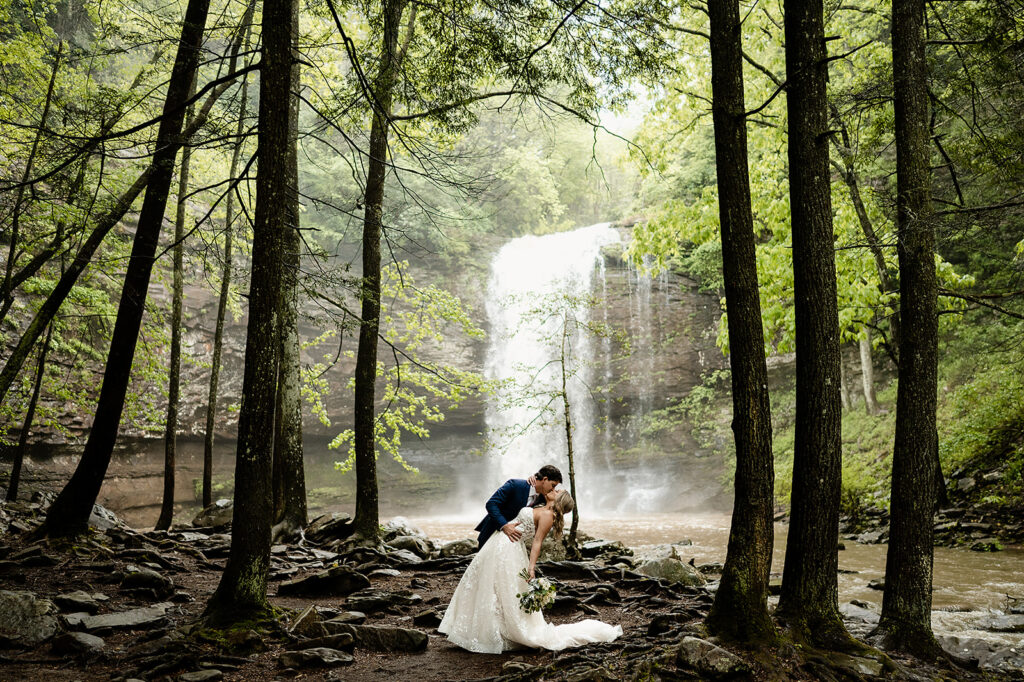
x=503, y=507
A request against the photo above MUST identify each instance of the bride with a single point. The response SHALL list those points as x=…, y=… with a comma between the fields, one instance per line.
x=484, y=614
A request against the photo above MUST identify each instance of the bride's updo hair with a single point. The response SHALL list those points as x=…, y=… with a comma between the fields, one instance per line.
x=563, y=505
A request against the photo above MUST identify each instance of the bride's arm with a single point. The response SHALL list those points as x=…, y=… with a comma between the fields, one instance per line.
x=543, y=526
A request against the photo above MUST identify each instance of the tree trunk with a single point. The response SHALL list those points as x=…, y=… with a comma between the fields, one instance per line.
x=844, y=385
x=19, y=454
x=740, y=609
x=242, y=592
x=225, y=288
x=570, y=543
x=367, y=516
x=906, y=605
x=289, y=472
x=174, y=372
x=867, y=373
x=70, y=511
x=809, y=599
x=7, y=285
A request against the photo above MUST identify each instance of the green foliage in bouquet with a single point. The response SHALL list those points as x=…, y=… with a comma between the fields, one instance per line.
x=539, y=595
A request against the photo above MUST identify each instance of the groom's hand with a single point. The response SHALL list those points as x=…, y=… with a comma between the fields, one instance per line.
x=511, y=531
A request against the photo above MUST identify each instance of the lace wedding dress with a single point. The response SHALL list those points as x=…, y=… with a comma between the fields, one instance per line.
x=484, y=614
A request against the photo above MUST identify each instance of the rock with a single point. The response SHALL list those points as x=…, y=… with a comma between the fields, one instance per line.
x=346, y=618
x=602, y=548
x=966, y=484
x=1010, y=623
x=404, y=556
x=77, y=644
x=385, y=573
x=458, y=548
x=25, y=619
x=102, y=518
x=143, y=618
x=308, y=624
x=74, y=620
x=208, y=675
x=417, y=545
x=857, y=613
x=872, y=537
x=400, y=526
x=33, y=556
x=993, y=476
x=713, y=568
x=877, y=584
x=775, y=586
x=708, y=659
x=671, y=569
x=217, y=515
x=343, y=641
x=337, y=526
x=189, y=536
x=140, y=577
x=987, y=545
x=370, y=601
x=381, y=638
x=336, y=581
x=319, y=657
x=77, y=601
x=427, y=619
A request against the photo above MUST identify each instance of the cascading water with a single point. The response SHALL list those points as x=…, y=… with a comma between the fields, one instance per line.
x=530, y=278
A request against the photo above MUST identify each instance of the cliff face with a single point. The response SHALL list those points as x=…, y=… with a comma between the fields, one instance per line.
x=669, y=325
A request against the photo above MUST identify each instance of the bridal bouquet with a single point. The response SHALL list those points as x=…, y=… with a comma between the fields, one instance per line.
x=540, y=593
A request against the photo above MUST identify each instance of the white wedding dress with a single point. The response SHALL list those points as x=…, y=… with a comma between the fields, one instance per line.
x=484, y=614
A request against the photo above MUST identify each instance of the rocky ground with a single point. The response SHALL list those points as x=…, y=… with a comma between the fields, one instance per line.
x=120, y=604
x=977, y=514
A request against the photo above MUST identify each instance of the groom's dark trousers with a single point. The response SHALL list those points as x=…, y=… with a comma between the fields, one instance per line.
x=503, y=506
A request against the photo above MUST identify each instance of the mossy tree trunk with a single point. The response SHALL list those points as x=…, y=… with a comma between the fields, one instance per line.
x=69, y=513
x=289, y=472
x=906, y=605
x=809, y=599
x=367, y=518
x=242, y=592
x=740, y=609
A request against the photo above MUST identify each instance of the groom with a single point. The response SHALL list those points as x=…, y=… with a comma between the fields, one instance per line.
x=509, y=499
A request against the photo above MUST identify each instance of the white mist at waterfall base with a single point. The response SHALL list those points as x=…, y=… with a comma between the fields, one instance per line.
x=525, y=422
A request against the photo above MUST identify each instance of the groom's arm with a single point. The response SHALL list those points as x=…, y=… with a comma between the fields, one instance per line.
x=494, y=505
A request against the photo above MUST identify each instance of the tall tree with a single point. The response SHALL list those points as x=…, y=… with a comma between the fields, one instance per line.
x=26, y=427
x=907, y=603
x=225, y=280
x=70, y=511
x=289, y=472
x=740, y=609
x=242, y=592
x=867, y=373
x=809, y=599
x=367, y=516
x=163, y=522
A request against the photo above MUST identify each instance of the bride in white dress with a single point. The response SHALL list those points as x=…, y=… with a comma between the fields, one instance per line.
x=484, y=615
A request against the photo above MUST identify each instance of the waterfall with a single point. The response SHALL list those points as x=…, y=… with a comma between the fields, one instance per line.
x=524, y=350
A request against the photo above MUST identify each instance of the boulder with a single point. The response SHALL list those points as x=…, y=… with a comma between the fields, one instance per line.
x=77, y=644
x=345, y=618
x=343, y=641
x=208, y=675
x=877, y=584
x=404, y=556
x=458, y=548
x=664, y=562
x=217, y=515
x=371, y=601
x=25, y=619
x=381, y=638
x=400, y=526
x=856, y=613
x=318, y=657
x=336, y=581
x=102, y=518
x=708, y=659
x=602, y=548
x=966, y=484
x=429, y=618
x=417, y=545
x=142, y=618
x=79, y=600
x=1010, y=623
x=987, y=545
x=337, y=526
x=139, y=577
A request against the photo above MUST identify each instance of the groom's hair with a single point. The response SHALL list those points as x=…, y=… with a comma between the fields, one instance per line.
x=550, y=472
